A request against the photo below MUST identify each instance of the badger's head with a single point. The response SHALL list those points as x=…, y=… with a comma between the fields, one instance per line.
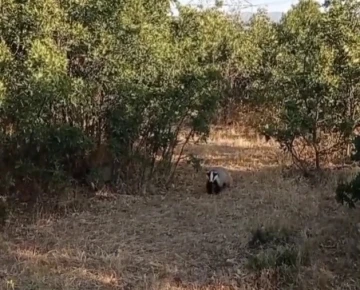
x=213, y=176
x=212, y=182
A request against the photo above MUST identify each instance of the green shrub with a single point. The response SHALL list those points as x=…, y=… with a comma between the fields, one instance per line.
x=348, y=192
x=278, y=249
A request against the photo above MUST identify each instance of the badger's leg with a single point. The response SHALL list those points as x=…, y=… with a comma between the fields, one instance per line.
x=209, y=188
x=217, y=188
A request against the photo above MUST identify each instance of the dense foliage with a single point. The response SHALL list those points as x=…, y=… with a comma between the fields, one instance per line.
x=105, y=89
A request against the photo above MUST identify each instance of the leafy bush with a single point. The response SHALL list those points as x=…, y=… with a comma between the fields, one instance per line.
x=46, y=155
x=349, y=192
x=81, y=78
x=317, y=114
x=129, y=77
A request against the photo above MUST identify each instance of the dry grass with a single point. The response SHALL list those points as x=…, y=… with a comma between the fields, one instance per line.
x=188, y=239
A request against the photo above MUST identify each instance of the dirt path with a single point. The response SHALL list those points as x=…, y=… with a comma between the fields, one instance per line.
x=185, y=236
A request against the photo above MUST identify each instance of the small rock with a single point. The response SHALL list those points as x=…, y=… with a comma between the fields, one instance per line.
x=230, y=261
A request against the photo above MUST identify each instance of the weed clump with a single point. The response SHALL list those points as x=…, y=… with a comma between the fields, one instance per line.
x=289, y=256
x=273, y=235
x=278, y=249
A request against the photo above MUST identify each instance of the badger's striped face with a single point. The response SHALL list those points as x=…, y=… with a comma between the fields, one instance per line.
x=213, y=176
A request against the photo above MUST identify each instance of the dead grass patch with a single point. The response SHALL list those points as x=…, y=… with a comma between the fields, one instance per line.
x=186, y=239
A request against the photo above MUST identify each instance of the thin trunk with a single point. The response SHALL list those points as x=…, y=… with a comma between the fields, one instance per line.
x=171, y=175
x=315, y=140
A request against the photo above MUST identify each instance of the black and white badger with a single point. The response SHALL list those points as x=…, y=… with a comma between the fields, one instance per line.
x=218, y=179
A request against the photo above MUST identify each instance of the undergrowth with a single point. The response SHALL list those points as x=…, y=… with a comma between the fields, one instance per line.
x=279, y=249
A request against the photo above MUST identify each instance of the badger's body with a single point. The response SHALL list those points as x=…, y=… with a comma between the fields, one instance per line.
x=218, y=179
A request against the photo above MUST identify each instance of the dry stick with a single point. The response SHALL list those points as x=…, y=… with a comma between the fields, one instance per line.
x=177, y=131
x=171, y=148
x=294, y=155
x=144, y=178
x=313, y=145
x=165, y=151
x=179, y=158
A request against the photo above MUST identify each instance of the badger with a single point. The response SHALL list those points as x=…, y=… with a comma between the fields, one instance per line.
x=218, y=179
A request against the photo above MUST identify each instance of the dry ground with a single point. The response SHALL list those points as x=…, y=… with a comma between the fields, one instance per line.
x=188, y=239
